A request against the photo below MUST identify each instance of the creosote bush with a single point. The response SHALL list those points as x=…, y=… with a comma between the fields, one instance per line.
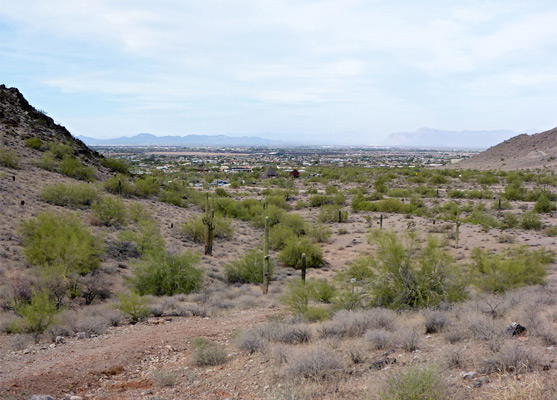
x=34, y=143
x=501, y=272
x=248, y=269
x=8, y=159
x=73, y=168
x=291, y=254
x=133, y=305
x=207, y=353
x=39, y=314
x=116, y=165
x=415, y=382
x=160, y=273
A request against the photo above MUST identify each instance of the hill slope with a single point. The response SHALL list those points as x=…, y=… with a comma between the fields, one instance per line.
x=19, y=121
x=520, y=152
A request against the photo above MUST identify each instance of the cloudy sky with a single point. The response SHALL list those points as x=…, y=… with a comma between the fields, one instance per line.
x=340, y=70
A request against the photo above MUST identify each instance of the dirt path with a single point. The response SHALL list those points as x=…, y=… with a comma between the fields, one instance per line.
x=113, y=366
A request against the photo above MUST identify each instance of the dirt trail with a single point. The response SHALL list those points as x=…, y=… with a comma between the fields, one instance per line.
x=80, y=366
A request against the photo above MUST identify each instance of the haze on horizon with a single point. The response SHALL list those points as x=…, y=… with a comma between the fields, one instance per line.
x=341, y=70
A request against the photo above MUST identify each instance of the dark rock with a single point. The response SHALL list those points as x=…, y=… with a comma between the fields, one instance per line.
x=515, y=329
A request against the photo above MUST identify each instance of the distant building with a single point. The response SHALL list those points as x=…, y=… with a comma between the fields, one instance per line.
x=269, y=173
x=295, y=174
x=236, y=170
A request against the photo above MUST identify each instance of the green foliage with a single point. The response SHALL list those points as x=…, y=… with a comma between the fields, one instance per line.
x=500, y=272
x=360, y=269
x=207, y=353
x=501, y=204
x=317, y=200
x=73, y=168
x=146, y=187
x=480, y=217
x=297, y=296
x=59, y=150
x=110, y=211
x=74, y=195
x=544, y=204
x=8, y=159
x=415, y=382
x=279, y=235
x=133, y=305
x=195, y=229
x=332, y=213
x=60, y=245
x=321, y=290
x=551, y=231
x=220, y=192
x=515, y=191
x=34, y=143
x=438, y=179
x=145, y=235
x=530, y=221
x=457, y=194
x=164, y=274
x=320, y=233
x=249, y=268
x=116, y=165
x=119, y=183
x=408, y=273
x=291, y=254
x=48, y=162
x=38, y=314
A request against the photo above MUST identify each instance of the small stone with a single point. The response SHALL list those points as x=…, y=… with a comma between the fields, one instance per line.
x=26, y=351
x=59, y=339
x=468, y=375
x=484, y=380
x=41, y=397
x=478, y=384
x=81, y=335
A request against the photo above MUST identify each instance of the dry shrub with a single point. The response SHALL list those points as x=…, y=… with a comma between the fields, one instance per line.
x=207, y=353
x=529, y=387
x=435, y=321
x=453, y=357
x=356, y=323
x=379, y=338
x=409, y=339
x=455, y=333
x=511, y=358
x=313, y=363
x=165, y=378
x=251, y=341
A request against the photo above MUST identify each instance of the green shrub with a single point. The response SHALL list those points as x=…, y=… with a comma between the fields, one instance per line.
x=207, y=353
x=119, y=184
x=551, y=231
x=291, y=254
x=39, y=314
x=146, y=236
x=110, y=211
x=73, y=168
x=360, y=269
x=297, y=296
x=59, y=244
x=500, y=272
x=438, y=179
x=74, y=195
x=194, y=228
x=317, y=200
x=34, y=143
x=320, y=233
x=248, y=269
x=510, y=221
x=480, y=217
x=515, y=191
x=279, y=235
x=147, y=186
x=544, y=204
x=501, y=204
x=164, y=274
x=415, y=382
x=530, y=221
x=410, y=274
x=60, y=150
x=133, y=305
x=48, y=162
x=321, y=290
x=8, y=159
x=116, y=165
x=332, y=213
x=457, y=194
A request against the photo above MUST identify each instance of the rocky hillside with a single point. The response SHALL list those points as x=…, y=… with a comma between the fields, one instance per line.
x=520, y=152
x=20, y=121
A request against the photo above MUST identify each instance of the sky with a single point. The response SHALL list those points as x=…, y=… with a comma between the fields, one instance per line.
x=344, y=71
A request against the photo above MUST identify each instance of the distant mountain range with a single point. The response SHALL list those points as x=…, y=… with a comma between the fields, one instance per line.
x=429, y=137
x=147, y=139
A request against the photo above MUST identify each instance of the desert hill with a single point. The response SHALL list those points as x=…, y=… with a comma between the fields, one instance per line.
x=520, y=152
x=20, y=121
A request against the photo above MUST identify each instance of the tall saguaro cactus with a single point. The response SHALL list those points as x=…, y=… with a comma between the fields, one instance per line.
x=266, y=265
x=304, y=268
x=209, y=222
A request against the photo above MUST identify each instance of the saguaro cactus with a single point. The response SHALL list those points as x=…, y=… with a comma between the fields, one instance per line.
x=304, y=263
x=457, y=230
x=266, y=266
x=209, y=222
x=381, y=221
